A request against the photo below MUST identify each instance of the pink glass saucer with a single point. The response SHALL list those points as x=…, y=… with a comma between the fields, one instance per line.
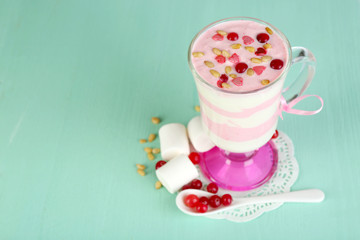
x=239, y=171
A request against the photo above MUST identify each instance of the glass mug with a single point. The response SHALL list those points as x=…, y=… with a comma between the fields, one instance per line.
x=241, y=124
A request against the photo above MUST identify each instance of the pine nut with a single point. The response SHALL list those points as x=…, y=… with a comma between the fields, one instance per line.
x=265, y=82
x=225, y=85
x=156, y=150
x=222, y=33
x=266, y=58
x=141, y=172
x=216, y=51
x=250, y=72
x=225, y=53
x=148, y=149
x=151, y=137
x=236, y=46
x=269, y=30
x=150, y=156
x=158, y=185
x=267, y=45
x=227, y=69
x=256, y=60
x=140, y=166
x=155, y=120
x=198, y=54
x=142, y=141
x=250, y=49
x=215, y=73
x=233, y=75
x=209, y=64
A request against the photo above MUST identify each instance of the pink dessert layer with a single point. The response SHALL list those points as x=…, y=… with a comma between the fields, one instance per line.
x=260, y=59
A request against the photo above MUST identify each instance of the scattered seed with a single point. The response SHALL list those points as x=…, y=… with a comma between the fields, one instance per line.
x=142, y=141
x=236, y=46
x=266, y=58
x=254, y=60
x=250, y=72
x=156, y=150
x=265, y=82
x=216, y=51
x=152, y=137
x=140, y=166
x=209, y=64
x=141, y=172
x=225, y=53
x=233, y=75
x=250, y=49
x=158, y=185
x=267, y=45
x=225, y=85
x=148, y=149
x=227, y=69
x=221, y=32
x=198, y=54
x=269, y=30
x=155, y=120
x=150, y=156
x=215, y=73
x=197, y=108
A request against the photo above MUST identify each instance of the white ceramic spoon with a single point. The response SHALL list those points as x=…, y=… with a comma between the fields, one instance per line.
x=305, y=196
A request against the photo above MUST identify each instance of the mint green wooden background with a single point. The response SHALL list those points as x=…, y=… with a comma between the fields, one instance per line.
x=81, y=79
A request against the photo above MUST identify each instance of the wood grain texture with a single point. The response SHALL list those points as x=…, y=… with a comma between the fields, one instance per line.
x=80, y=81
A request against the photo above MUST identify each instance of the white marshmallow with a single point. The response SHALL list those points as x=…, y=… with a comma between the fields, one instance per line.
x=173, y=140
x=176, y=173
x=198, y=137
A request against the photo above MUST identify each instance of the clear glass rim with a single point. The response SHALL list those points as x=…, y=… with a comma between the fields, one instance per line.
x=287, y=66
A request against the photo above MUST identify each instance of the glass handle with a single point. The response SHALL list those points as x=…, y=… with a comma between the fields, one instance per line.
x=304, y=56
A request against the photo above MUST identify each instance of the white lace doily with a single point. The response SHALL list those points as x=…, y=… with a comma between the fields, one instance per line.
x=284, y=177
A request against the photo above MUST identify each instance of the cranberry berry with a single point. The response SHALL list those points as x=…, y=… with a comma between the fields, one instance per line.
x=194, y=157
x=219, y=83
x=201, y=208
x=260, y=52
x=191, y=200
x=204, y=200
x=212, y=188
x=233, y=36
x=224, y=78
x=241, y=67
x=276, y=64
x=196, y=184
x=215, y=201
x=276, y=134
x=185, y=187
x=159, y=164
x=226, y=199
x=262, y=37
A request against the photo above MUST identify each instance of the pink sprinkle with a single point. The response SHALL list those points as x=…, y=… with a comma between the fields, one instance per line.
x=220, y=59
x=238, y=81
x=247, y=40
x=259, y=69
x=218, y=37
x=234, y=58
